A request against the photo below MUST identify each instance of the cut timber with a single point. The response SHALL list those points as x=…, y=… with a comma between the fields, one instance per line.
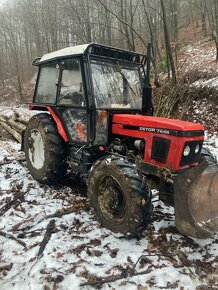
x=23, y=121
x=13, y=124
x=15, y=113
x=16, y=125
x=23, y=115
x=15, y=120
x=13, y=132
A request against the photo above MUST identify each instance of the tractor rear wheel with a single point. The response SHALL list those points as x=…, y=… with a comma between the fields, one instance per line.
x=45, y=150
x=120, y=196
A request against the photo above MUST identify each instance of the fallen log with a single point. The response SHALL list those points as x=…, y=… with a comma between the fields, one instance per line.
x=15, y=120
x=19, y=127
x=13, y=132
x=23, y=121
x=14, y=113
x=16, y=125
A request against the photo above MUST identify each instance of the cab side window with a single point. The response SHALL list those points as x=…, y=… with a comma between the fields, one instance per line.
x=47, y=84
x=71, y=91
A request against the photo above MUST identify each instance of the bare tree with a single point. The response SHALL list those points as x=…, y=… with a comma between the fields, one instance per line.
x=212, y=12
x=130, y=31
x=167, y=43
x=30, y=28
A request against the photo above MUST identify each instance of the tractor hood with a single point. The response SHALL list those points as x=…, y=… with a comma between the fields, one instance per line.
x=158, y=125
x=196, y=187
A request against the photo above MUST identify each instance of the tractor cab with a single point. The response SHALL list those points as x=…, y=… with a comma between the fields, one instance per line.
x=87, y=84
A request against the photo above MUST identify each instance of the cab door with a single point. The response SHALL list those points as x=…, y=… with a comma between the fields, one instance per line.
x=72, y=100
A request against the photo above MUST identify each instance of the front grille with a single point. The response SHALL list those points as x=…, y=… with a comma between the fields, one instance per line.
x=192, y=157
x=160, y=149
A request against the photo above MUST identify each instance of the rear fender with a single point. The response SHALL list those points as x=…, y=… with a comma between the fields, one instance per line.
x=56, y=118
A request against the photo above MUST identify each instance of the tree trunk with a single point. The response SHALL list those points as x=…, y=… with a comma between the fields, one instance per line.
x=154, y=55
x=167, y=43
x=203, y=18
x=212, y=12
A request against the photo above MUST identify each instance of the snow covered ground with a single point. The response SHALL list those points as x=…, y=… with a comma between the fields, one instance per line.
x=200, y=56
x=213, y=82
x=80, y=250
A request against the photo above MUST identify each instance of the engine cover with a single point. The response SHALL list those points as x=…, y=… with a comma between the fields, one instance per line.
x=168, y=142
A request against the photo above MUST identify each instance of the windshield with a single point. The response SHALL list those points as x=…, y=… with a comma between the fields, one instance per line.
x=116, y=85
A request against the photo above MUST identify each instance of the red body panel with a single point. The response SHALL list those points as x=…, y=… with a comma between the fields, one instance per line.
x=148, y=127
x=55, y=116
x=156, y=122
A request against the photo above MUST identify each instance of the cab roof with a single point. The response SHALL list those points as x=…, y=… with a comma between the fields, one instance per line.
x=92, y=49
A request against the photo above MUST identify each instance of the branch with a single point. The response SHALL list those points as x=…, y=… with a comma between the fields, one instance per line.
x=124, y=22
x=57, y=214
x=115, y=278
x=9, y=204
x=65, y=211
x=134, y=266
x=9, y=236
x=49, y=231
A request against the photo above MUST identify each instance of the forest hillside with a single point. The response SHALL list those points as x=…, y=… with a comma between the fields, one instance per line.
x=49, y=236
x=31, y=28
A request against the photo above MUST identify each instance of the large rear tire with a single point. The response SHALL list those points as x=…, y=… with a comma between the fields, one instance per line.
x=119, y=195
x=45, y=150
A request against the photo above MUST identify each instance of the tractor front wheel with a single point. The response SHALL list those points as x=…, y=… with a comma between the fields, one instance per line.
x=45, y=150
x=119, y=195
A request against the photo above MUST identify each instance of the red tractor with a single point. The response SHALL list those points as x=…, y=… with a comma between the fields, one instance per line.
x=99, y=122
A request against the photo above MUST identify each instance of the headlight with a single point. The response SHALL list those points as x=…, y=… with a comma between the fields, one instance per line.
x=197, y=148
x=186, y=150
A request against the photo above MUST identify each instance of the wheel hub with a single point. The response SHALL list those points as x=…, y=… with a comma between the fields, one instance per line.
x=36, y=149
x=111, y=199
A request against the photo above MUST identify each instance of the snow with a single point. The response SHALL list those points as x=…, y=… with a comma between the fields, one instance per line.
x=80, y=249
x=212, y=83
x=211, y=143
x=200, y=56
